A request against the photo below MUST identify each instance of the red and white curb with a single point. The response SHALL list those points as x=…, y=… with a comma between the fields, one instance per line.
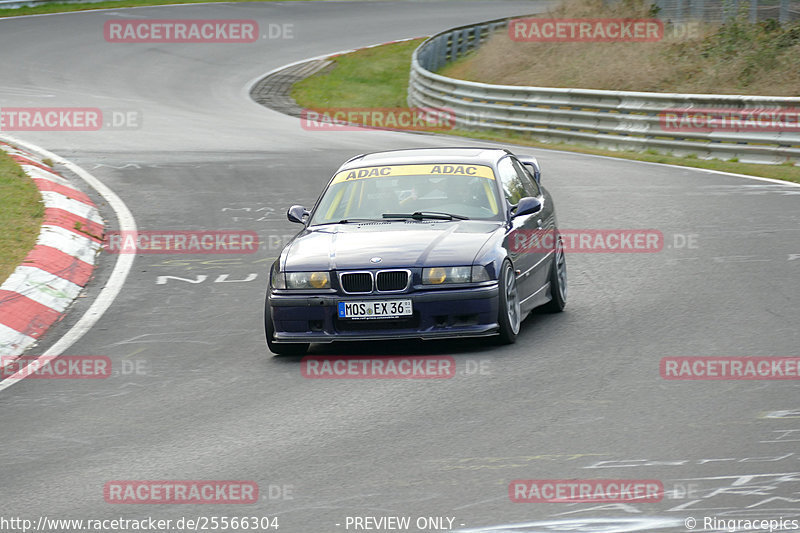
x=51, y=276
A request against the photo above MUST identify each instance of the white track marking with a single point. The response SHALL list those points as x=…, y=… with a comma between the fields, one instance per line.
x=118, y=275
x=633, y=161
x=695, y=169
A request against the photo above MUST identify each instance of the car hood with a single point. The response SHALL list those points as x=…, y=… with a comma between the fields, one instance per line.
x=397, y=244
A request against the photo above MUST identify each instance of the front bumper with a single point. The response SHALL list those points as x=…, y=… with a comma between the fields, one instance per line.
x=441, y=313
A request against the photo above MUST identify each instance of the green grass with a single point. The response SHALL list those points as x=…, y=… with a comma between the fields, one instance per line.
x=374, y=77
x=378, y=77
x=63, y=8
x=20, y=216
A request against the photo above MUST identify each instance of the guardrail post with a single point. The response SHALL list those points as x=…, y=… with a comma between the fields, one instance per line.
x=696, y=9
x=476, y=37
x=439, y=54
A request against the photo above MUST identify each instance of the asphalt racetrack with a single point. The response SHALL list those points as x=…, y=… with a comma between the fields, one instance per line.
x=197, y=395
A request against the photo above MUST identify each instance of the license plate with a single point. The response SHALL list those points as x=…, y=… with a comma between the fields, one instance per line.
x=375, y=309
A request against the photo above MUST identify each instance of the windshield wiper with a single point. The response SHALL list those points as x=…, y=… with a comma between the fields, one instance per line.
x=349, y=221
x=419, y=215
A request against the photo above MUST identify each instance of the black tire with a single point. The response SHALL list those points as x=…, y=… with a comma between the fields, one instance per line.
x=508, y=309
x=558, y=281
x=279, y=348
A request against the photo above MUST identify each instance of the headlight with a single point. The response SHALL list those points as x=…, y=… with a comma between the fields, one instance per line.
x=439, y=275
x=308, y=280
x=479, y=273
x=276, y=277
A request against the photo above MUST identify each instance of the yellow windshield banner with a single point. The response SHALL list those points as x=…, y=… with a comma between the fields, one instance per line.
x=480, y=171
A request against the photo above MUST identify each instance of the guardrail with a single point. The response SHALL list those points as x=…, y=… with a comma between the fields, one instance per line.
x=723, y=10
x=610, y=119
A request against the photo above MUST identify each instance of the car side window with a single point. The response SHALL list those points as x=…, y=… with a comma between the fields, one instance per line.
x=528, y=182
x=513, y=186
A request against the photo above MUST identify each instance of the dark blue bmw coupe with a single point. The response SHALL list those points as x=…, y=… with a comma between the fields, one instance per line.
x=425, y=244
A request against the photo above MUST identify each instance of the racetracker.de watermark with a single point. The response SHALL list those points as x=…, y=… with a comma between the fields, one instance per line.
x=55, y=367
x=730, y=119
x=181, y=492
x=730, y=368
x=587, y=240
x=392, y=118
x=364, y=367
x=181, y=242
x=68, y=119
x=585, y=490
x=602, y=30
x=181, y=31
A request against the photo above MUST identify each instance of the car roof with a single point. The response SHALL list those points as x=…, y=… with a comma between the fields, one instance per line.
x=457, y=155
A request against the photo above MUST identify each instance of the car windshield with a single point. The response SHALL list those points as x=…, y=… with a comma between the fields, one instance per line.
x=465, y=191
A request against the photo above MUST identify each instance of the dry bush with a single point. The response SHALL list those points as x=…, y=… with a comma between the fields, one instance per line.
x=736, y=58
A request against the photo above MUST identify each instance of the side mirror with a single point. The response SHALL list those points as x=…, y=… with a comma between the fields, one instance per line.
x=297, y=213
x=528, y=206
x=533, y=166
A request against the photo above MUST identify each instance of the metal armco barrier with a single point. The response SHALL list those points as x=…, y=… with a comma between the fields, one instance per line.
x=611, y=119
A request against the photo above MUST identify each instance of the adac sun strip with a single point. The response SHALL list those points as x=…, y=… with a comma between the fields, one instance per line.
x=481, y=171
x=490, y=196
x=336, y=201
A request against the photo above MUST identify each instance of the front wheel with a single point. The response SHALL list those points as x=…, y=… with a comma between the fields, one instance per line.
x=508, y=312
x=299, y=348
x=558, y=281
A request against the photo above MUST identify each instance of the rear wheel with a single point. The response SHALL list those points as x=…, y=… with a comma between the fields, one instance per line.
x=508, y=312
x=279, y=348
x=558, y=281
